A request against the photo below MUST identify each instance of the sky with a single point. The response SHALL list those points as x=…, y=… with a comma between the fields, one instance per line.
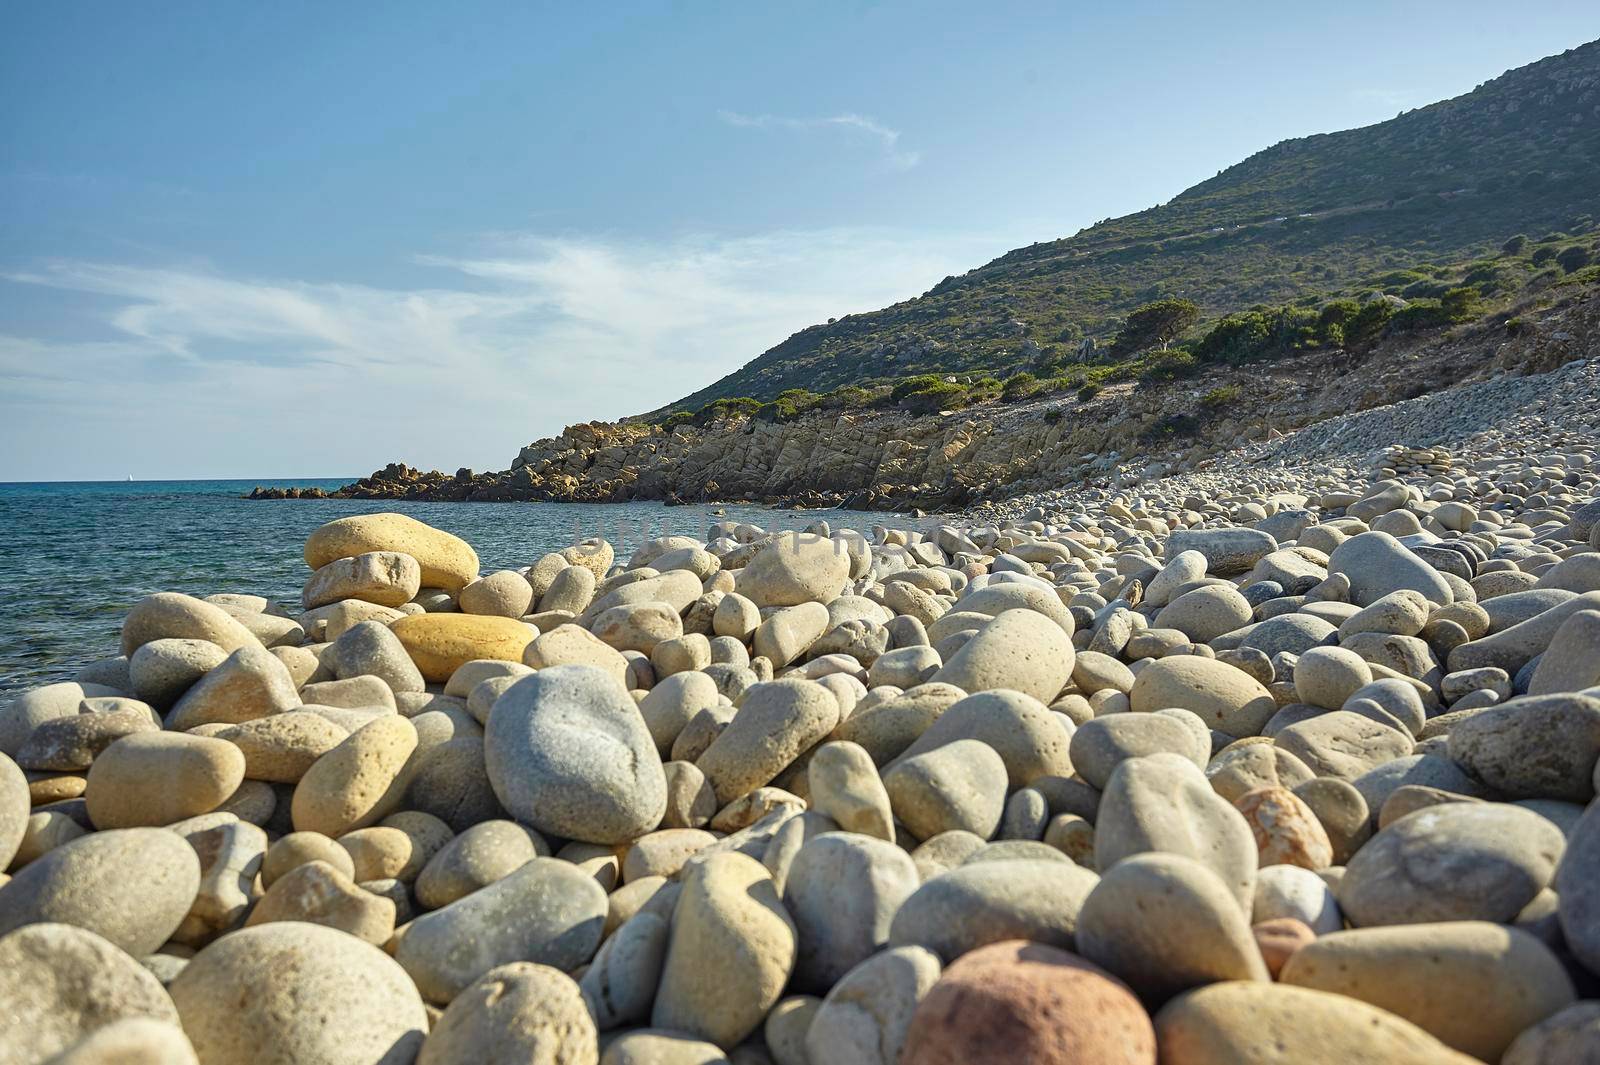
x=308, y=239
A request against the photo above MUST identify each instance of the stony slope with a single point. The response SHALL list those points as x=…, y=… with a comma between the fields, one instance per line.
x=1321, y=215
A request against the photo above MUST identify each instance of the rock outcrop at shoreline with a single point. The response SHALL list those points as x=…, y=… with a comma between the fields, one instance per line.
x=891, y=460
x=1263, y=763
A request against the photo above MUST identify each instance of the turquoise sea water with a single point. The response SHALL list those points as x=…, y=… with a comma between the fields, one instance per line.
x=76, y=555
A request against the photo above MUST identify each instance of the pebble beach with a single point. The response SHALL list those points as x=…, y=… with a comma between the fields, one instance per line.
x=1289, y=759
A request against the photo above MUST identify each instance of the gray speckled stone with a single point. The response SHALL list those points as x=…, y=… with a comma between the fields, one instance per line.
x=568, y=753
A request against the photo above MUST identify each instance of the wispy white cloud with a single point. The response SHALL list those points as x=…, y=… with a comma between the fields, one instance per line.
x=197, y=372
x=888, y=139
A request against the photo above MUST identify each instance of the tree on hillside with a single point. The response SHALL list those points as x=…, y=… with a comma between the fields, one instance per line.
x=1157, y=323
x=1514, y=245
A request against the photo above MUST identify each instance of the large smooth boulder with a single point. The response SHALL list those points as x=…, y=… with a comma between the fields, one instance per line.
x=71, y=744
x=987, y=902
x=1162, y=802
x=357, y=783
x=1452, y=862
x=1165, y=923
x=1570, y=1037
x=440, y=644
x=172, y=615
x=504, y=593
x=568, y=753
x=1020, y=650
x=371, y=649
x=251, y=683
x=959, y=785
x=1101, y=744
x=731, y=951
x=1250, y=1023
x=162, y=670
x=15, y=808
x=519, y=1012
x=842, y=890
x=1225, y=698
x=1027, y=1002
x=1226, y=551
x=34, y=707
x=132, y=886
x=776, y=722
x=795, y=568
x=447, y=561
x=1535, y=747
x=1578, y=884
x=547, y=911
x=287, y=993
x=1377, y=564
x=1031, y=740
x=866, y=1017
x=150, y=779
x=1471, y=984
x=387, y=578
x=61, y=983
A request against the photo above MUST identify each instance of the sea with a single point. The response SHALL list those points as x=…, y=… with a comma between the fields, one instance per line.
x=74, y=556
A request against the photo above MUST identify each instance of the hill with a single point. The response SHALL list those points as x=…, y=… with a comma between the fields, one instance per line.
x=892, y=458
x=1306, y=221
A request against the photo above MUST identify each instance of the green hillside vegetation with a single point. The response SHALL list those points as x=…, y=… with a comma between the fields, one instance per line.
x=1301, y=225
x=1149, y=345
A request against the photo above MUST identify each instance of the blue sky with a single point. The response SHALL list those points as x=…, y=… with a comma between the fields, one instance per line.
x=306, y=239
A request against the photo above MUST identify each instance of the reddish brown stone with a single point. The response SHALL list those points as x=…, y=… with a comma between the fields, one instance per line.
x=1022, y=1002
x=1287, y=832
x=1279, y=938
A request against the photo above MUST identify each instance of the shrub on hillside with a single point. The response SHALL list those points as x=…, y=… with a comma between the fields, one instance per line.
x=1397, y=279
x=1334, y=318
x=729, y=407
x=1460, y=304
x=1235, y=338
x=932, y=398
x=1418, y=314
x=1260, y=333
x=1019, y=386
x=1170, y=365
x=917, y=383
x=1573, y=259
x=1172, y=427
x=847, y=396
x=1369, y=322
x=1490, y=278
x=789, y=405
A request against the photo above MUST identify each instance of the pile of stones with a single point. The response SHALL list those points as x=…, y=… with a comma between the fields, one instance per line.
x=1401, y=461
x=1237, y=776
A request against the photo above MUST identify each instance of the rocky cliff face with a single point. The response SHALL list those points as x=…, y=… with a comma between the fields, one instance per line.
x=890, y=460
